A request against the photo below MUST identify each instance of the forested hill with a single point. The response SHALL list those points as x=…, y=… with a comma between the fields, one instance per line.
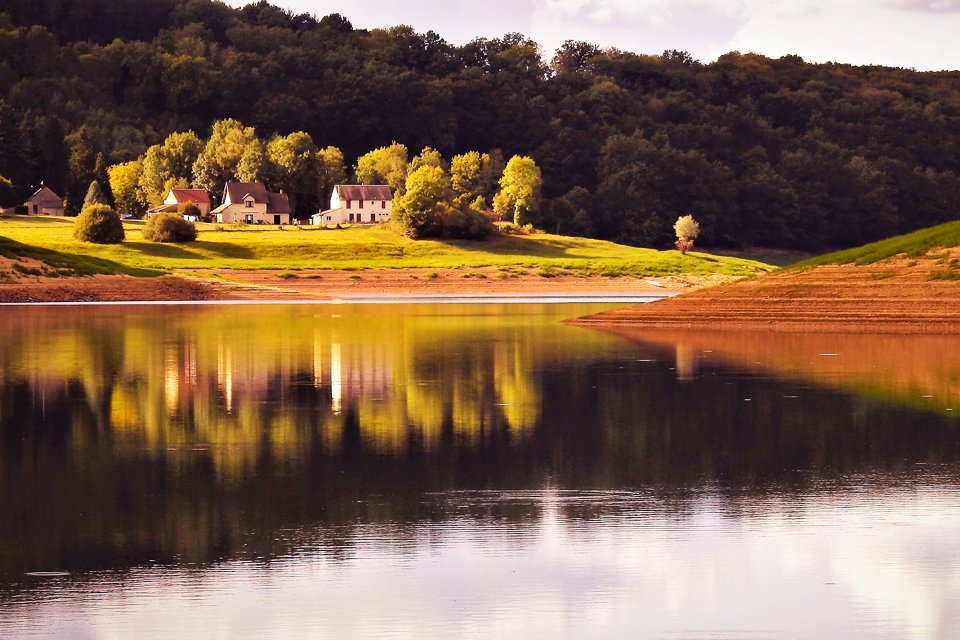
x=774, y=152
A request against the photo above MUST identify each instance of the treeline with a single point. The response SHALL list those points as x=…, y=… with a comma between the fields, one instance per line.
x=434, y=197
x=761, y=151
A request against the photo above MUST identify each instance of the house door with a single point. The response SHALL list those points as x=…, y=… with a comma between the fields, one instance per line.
x=276, y=219
x=248, y=218
x=351, y=217
x=373, y=217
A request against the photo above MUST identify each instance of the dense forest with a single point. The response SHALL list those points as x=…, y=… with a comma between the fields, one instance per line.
x=771, y=152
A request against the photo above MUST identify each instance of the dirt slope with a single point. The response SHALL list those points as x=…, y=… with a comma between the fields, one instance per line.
x=897, y=295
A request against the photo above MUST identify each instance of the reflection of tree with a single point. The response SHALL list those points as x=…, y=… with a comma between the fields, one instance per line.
x=212, y=378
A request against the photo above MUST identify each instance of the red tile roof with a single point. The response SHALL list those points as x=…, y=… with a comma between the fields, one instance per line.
x=364, y=192
x=191, y=195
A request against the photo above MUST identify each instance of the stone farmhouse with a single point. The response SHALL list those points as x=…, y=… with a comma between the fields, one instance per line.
x=357, y=204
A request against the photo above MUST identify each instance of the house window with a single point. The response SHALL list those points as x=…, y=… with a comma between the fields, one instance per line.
x=383, y=204
x=248, y=218
x=361, y=203
x=329, y=218
x=249, y=204
x=348, y=204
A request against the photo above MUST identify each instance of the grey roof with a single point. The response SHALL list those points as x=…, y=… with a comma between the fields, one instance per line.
x=46, y=197
x=234, y=192
x=278, y=203
x=364, y=192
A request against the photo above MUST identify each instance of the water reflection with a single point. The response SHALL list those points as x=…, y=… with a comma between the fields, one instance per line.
x=466, y=471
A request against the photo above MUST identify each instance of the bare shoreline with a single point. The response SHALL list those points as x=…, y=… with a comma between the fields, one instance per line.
x=328, y=285
x=893, y=296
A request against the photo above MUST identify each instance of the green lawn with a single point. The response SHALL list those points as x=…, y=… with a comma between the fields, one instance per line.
x=257, y=247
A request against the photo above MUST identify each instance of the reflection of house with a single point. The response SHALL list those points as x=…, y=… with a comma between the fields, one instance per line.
x=250, y=202
x=176, y=197
x=357, y=204
x=353, y=371
x=45, y=202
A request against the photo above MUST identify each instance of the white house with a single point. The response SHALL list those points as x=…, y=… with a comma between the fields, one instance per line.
x=357, y=204
x=45, y=202
x=176, y=197
x=250, y=202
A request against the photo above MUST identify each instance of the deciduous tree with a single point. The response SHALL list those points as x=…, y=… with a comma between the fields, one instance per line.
x=386, y=165
x=519, y=194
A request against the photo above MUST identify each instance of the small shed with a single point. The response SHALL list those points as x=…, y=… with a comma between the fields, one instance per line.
x=45, y=202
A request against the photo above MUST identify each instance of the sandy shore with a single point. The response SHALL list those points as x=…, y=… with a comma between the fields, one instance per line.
x=892, y=296
x=328, y=285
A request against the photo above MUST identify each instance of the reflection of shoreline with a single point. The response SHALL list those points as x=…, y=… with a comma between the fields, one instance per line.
x=917, y=371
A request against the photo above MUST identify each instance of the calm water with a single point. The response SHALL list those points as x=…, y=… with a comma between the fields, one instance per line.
x=441, y=471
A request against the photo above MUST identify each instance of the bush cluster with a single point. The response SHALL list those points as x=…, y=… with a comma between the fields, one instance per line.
x=100, y=224
x=166, y=227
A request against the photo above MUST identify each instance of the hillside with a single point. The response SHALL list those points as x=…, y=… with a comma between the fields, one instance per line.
x=311, y=262
x=905, y=284
x=763, y=152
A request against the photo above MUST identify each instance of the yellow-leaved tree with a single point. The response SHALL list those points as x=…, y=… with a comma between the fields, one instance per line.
x=687, y=231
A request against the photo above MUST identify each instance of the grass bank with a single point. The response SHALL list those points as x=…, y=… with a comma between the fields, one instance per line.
x=292, y=248
x=911, y=245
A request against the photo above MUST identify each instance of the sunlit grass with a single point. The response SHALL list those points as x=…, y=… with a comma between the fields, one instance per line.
x=267, y=247
x=912, y=245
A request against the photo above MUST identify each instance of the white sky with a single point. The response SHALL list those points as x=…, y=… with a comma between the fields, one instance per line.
x=924, y=34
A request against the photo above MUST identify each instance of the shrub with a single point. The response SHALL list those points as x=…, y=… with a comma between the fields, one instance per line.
x=188, y=209
x=466, y=223
x=166, y=227
x=100, y=224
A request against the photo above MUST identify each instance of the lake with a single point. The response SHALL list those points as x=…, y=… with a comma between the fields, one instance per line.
x=469, y=471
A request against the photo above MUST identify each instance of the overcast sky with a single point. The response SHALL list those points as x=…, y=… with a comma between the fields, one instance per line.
x=924, y=34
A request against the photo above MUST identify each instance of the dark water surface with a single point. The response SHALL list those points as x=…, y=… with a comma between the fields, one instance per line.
x=447, y=471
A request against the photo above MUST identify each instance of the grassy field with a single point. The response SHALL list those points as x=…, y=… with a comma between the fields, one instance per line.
x=911, y=245
x=290, y=248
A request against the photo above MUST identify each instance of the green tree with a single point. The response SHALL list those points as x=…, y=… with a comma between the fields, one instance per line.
x=331, y=171
x=428, y=157
x=172, y=159
x=386, y=165
x=125, y=185
x=8, y=196
x=220, y=160
x=95, y=195
x=417, y=213
x=294, y=167
x=81, y=163
x=102, y=178
x=253, y=163
x=491, y=168
x=465, y=178
x=519, y=195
